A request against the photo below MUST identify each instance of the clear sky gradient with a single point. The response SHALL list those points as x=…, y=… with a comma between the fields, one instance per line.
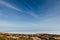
x=30, y=16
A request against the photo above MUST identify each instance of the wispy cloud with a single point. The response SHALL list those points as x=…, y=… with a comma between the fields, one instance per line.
x=33, y=14
x=17, y=9
x=9, y=5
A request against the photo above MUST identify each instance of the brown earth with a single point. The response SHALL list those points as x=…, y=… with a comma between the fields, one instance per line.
x=10, y=36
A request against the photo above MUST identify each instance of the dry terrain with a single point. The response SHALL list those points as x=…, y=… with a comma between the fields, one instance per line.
x=10, y=36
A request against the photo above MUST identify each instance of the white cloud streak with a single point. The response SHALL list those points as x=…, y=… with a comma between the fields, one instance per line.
x=9, y=5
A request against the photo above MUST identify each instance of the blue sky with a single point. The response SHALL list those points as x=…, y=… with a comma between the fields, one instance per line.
x=30, y=16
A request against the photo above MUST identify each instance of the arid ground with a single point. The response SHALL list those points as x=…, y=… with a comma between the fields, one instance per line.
x=12, y=36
